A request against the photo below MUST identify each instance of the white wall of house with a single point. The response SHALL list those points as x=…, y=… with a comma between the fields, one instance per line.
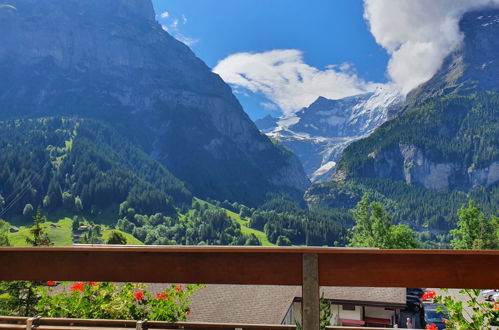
x=379, y=312
x=339, y=312
x=345, y=313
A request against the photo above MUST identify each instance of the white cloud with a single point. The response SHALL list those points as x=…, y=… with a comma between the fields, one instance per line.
x=174, y=23
x=185, y=39
x=173, y=29
x=269, y=106
x=418, y=34
x=285, y=79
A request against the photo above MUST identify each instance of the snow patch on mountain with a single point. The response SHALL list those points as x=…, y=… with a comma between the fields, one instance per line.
x=319, y=133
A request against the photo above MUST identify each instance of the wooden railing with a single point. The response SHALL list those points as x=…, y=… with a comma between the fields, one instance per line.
x=308, y=267
x=58, y=324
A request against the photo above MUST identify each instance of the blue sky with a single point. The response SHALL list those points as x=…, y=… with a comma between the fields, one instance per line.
x=280, y=55
x=327, y=32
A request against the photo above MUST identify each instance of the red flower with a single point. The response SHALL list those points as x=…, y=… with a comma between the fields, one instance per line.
x=188, y=311
x=78, y=287
x=431, y=327
x=428, y=295
x=139, y=295
x=50, y=283
x=92, y=283
x=161, y=295
x=179, y=288
x=496, y=306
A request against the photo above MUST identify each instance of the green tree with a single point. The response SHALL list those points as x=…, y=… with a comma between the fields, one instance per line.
x=403, y=237
x=78, y=204
x=4, y=233
x=283, y=241
x=40, y=236
x=76, y=224
x=28, y=210
x=252, y=240
x=475, y=230
x=373, y=228
x=116, y=238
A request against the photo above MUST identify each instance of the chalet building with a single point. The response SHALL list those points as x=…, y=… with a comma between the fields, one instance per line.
x=253, y=304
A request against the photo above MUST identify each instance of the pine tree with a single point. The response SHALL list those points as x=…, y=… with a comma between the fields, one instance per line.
x=40, y=236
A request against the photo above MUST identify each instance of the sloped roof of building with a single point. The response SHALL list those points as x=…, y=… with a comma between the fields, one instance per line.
x=268, y=304
x=250, y=304
x=366, y=296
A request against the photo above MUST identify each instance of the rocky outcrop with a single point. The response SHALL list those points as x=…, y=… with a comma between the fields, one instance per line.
x=110, y=60
x=484, y=176
x=410, y=164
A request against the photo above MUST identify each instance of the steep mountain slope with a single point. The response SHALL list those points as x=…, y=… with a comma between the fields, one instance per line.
x=441, y=150
x=56, y=161
x=110, y=60
x=319, y=133
x=448, y=135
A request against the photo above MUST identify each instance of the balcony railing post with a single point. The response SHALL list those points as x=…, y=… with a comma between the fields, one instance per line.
x=310, y=292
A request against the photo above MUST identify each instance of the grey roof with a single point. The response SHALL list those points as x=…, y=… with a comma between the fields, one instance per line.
x=250, y=304
x=366, y=295
x=268, y=304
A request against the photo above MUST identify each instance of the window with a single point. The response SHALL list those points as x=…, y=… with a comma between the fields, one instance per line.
x=348, y=307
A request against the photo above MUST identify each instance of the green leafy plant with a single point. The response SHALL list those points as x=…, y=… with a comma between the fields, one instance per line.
x=94, y=300
x=480, y=315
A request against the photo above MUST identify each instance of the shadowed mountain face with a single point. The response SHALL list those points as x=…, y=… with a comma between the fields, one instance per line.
x=447, y=135
x=110, y=60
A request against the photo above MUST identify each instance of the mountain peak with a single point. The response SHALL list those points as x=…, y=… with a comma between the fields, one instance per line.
x=473, y=66
x=107, y=8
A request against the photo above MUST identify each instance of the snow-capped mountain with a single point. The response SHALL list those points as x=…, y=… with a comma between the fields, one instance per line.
x=319, y=133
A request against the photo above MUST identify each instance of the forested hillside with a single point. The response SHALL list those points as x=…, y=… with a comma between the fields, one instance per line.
x=422, y=209
x=80, y=166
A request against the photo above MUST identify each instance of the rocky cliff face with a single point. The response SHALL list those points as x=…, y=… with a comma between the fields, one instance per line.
x=410, y=164
x=110, y=60
x=447, y=135
x=319, y=133
x=471, y=67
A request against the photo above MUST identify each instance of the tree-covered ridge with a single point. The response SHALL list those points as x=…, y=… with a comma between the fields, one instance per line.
x=462, y=129
x=80, y=165
x=420, y=208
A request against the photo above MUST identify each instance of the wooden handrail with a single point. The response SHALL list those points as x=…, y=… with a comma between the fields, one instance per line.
x=252, y=265
x=112, y=324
